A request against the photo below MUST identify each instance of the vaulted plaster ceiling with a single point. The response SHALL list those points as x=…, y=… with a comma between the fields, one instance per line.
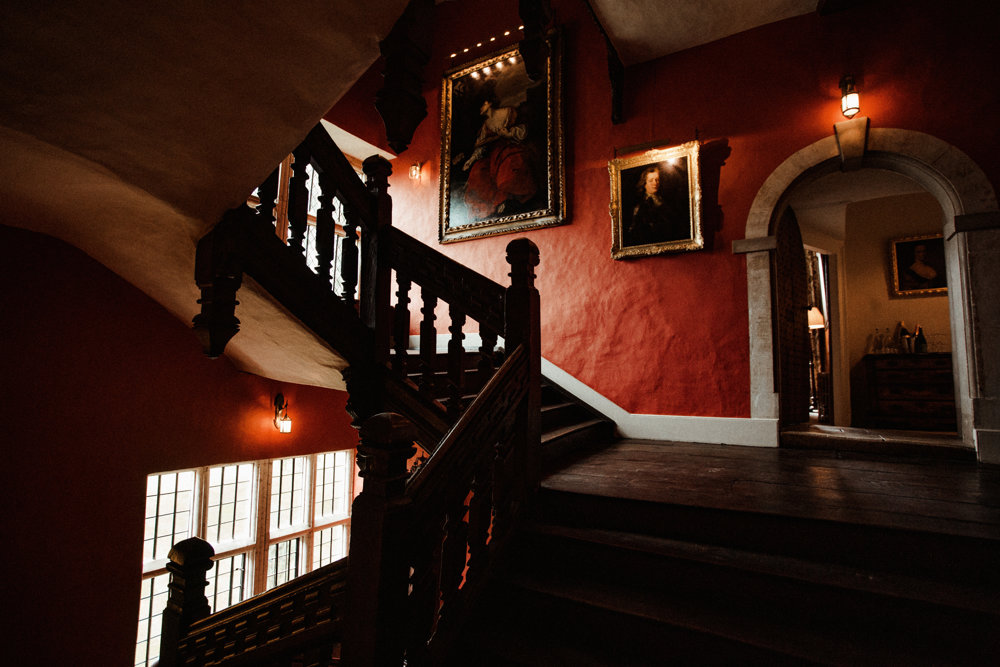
x=821, y=206
x=642, y=30
x=128, y=128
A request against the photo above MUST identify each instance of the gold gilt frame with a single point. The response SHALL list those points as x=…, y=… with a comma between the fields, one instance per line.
x=669, y=219
x=922, y=275
x=501, y=167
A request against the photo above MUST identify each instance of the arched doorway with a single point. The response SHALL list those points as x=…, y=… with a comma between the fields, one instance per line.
x=972, y=246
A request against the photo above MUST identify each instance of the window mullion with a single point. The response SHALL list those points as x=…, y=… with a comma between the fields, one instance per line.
x=310, y=513
x=263, y=526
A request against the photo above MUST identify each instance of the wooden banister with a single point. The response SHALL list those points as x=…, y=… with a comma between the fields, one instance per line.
x=299, y=618
x=442, y=276
x=424, y=543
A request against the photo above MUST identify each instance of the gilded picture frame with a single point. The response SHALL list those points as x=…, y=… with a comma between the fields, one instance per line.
x=502, y=165
x=656, y=202
x=917, y=266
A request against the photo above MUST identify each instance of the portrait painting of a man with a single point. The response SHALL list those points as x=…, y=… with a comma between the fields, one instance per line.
x=656, y=203
x=501, y=149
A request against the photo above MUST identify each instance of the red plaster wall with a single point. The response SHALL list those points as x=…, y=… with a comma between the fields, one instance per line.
x=668, y=334
x=102, y=386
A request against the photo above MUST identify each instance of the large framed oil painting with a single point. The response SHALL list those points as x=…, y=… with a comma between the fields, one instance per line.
x=656, y=202
x=501, y=147
x=917, y=266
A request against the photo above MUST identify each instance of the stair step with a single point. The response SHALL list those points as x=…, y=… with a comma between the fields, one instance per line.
x=560, y=441
x=956, y=559
x=564, y=413
x=804, y=632
x=967, y=597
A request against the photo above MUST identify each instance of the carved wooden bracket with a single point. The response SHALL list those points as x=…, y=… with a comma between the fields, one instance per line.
x=219, y=275
x=537, y=17
x=406, y=51
x=616, y=70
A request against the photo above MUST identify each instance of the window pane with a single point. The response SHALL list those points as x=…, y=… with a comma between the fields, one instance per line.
x=227, y=582
x=152, y=601
x=329, y=545
x=230, y=499
x=288, y=492
x=333, y=485
x=282, y=562
x=169, y=512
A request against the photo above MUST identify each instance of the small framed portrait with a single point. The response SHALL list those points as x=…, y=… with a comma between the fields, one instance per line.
x=656, y=202
x=917, y=266
x=501, y=147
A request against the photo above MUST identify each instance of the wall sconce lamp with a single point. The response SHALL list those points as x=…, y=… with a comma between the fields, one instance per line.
x=850, y=101
x=282, y=421
x=816, y=319
x=415, y=171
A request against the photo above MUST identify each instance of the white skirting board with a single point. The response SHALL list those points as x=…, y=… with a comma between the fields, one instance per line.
x=680, y=428
x=708, y=430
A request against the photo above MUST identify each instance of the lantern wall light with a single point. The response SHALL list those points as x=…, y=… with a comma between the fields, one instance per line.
x=282, y=421
x=850, y=101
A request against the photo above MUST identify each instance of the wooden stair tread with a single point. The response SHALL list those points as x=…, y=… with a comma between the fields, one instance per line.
x=742, y=621
x=828, y=574
x=940, y=498
x=572, y=428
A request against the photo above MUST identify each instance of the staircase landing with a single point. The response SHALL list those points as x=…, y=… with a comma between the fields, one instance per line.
x=927, y=495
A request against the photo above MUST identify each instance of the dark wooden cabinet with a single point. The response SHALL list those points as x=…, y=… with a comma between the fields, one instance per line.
x=908, y=391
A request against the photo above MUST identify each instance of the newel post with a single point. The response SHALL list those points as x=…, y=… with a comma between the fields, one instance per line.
x=522, y=326
x=186, y=601
x=376, y=285
x=377, y=580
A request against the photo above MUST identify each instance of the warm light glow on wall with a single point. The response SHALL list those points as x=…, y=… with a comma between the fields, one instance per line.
x=415, y=171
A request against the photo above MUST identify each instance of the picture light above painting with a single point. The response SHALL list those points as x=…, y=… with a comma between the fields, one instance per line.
x=656, y=202
x=501, y=147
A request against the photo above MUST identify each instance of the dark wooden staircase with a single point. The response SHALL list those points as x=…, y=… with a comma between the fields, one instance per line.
x=528, y=534
x=599, y=579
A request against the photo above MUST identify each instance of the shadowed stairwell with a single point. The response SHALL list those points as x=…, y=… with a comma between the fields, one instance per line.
x=526, y=533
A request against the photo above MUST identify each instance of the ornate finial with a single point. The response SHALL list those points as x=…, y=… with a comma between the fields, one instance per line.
x=522, y=255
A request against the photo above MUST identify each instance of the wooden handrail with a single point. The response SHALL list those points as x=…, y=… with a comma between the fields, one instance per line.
x=301, y=617
x=328, y=158
x=484, y=418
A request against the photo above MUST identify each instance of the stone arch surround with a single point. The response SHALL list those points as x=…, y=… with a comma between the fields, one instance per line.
x=972, y=247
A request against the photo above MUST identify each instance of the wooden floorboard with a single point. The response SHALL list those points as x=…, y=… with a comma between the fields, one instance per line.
x=930, y=495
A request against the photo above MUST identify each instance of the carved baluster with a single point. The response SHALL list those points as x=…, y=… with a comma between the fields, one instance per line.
x=298, y=200
x=454, y=552
x=428, y=342
x=456, y=361
x=425, y=596
x=186, y=601
x=326, y=229
x=377, y=582
x=349, y=256
x=486, y=354
x=480, y=516
x=401, y=325
x=268, y=192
